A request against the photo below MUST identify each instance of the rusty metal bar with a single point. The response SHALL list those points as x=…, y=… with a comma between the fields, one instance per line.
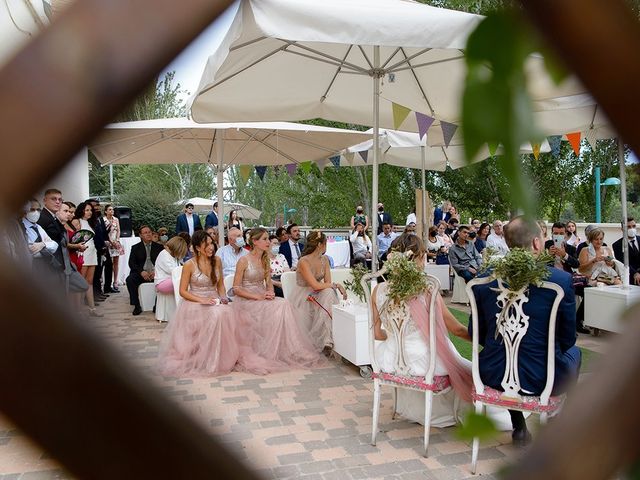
x=63, y=385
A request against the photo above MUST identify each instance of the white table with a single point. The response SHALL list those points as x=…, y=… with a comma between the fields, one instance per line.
x=604, y=306
x=340, y=253
x=351, y=335
x=441, y=272
x=123, y=265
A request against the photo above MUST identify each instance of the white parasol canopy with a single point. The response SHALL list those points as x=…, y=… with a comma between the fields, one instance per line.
x=205, y=205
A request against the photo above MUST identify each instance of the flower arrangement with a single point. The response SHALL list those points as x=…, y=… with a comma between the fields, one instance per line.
x=405, y=278
x=519, y=268
x=354, y=285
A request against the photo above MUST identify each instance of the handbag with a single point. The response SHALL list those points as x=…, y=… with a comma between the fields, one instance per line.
x=76, y=282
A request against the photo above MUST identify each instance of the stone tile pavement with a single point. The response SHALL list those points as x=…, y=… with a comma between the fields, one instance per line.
x=298, y=424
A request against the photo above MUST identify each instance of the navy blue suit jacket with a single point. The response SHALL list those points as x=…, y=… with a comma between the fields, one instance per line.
x=211, y=220
x=532, y=361
x=183, y=226
x=285, y=249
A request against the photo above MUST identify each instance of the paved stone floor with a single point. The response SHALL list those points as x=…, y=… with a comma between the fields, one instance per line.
x=299, y=424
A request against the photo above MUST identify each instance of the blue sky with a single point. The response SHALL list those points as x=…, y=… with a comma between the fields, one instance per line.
x=190, y=64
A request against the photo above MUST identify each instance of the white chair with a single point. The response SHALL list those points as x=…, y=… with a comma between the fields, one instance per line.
x=396, y=328
x=147, y=296
x=288, y=280
x=512, y=329
x=165, y=306
x=228, y=283
x=459, y=294
x=176, y=275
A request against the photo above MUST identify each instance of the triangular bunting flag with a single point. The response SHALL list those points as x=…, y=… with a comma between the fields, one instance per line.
x=291, y=169
x=590, y=135
x=335, y=161
x=448, y=131
x=493, y=147
x=349, y=156
x=424, y=122
x=305, y=167
x=554, y=143
x=365, y=155
x=536, y=150
x=322, y=163
x=574, y=140
x=245, y=172
x=261, y=170
x=399, y=114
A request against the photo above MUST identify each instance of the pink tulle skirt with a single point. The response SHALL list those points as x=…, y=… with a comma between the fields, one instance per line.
x=272, y=331
x=201, y=340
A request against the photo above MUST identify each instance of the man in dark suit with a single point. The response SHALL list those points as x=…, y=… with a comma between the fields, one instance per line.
x=188, y=221
x=383, y=217
x=633, y=245
x=532, y=364
x=100, y=240
x=50, y=224
x=565, y=255
x=212, y=218
x=292, y=248
x=141, y=262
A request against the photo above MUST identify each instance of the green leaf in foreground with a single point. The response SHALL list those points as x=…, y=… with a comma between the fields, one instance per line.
x=475, y=425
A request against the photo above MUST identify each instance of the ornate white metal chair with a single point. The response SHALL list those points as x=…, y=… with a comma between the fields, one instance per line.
x=396, y=327
x=512, y=325
x=288, y=280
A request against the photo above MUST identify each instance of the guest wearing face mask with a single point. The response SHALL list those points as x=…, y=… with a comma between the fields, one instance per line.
x=279, y=265
x=230, y=254
x=359, y=217
x=41, y=246
x=163, y=235
x=565, y=257
x=383, y=217
x=633, y=246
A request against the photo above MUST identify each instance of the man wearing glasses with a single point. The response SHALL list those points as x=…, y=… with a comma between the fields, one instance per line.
x=187, y=221
x=50, y=224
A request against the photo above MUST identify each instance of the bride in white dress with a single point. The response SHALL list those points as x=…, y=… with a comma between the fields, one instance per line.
x=447, y=408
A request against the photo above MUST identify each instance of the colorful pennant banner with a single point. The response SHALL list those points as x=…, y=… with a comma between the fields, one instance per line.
x=365, y=155
x=554, y=143
x=245, y=172
x=335, y=161
x=306, y=167
x=349, y=156
x=574, y=140
x=448, y=131
x=424, y=122
x=291, y=169
x=400, y=113
x=261, y=170
x=536, y=150
x=322, y=164
x=591, y=136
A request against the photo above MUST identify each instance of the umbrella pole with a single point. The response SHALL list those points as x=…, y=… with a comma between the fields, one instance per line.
x=376, y=153
x=220, y=187
x=623, y=195
x=423, y=151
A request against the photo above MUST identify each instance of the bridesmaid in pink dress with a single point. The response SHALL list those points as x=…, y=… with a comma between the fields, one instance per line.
x=269, y=320
x=201, y=339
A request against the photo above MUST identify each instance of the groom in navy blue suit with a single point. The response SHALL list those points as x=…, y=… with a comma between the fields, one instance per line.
x=532, y=364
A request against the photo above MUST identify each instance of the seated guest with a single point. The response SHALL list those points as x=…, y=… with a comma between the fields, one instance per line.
x=213, y=233
x=155, y=236
x=188, y=221
x=496, y=239
x=564, y=254
x=85, y=220
x=532, y=360
x=384, y=240
x=633, y=247
x=142, y=265
x=270, y=320
x=481, y=239
x=415, y=311
x=361, y=244
x=168, y=259
x=410, y=228
x=452, y=226
x=597, y=259
x=584, y=244
x=572, y=232
x=163, y=233
x=315, y=293
x=282, y=235
x=442, y=235
x=187, y=238
x=230, y=254
x=202, y=337
x=278, y=265
x=463, y=256
x=434, y=244
x=292, y=248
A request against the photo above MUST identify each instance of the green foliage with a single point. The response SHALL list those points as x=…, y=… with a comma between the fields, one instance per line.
x=476, y=426
x=519, y=268
x=151, y=207
x=404, y=278
x=354, y=285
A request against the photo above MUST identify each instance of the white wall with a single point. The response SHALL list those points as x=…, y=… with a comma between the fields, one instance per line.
x=73, y=180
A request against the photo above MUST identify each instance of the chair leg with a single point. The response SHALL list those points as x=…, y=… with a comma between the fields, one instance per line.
x=395, y=403
x=376, y=411
x=428, y=400
x=476, y=441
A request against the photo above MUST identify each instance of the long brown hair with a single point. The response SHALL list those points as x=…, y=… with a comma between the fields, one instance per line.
x=199, y=237
x=315, y=238
x=255, y=234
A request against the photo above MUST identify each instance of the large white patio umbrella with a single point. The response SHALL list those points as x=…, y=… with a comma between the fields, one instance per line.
x=179, y=140
x=202, y=205
x=350, y=61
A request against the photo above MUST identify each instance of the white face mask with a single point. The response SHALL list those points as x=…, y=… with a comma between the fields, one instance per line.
x=632, y=232
x=240, y=242
x=275, y=250
x=164, y=238
x=33, y=217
